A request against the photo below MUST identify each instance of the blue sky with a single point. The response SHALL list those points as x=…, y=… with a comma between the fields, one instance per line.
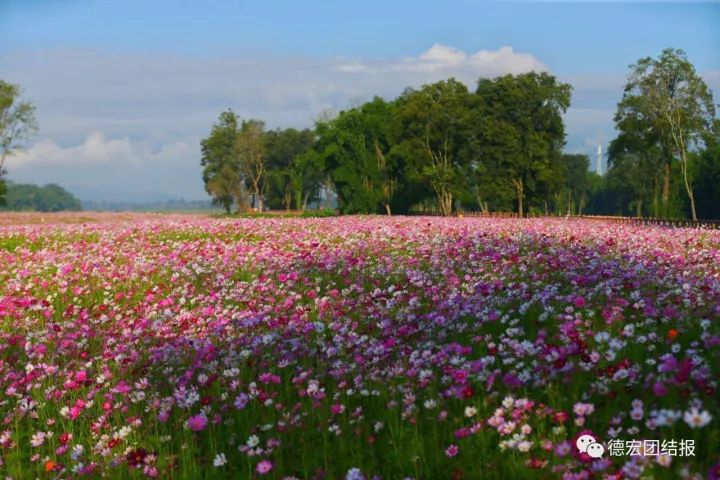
x=126, y=89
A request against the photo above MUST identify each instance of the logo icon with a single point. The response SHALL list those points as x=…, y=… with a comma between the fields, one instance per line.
x=587, y=444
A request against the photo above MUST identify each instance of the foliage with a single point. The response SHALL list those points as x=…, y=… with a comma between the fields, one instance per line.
x=499, y=148
x=291, y=179
x=522, y=131
x=355, y=150
x=666, y=106
x=250, y=149
x=221, y=172
x=434, y=135
x=17, y=124
x=50, y=198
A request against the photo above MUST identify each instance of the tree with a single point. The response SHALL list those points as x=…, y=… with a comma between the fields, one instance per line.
x=17, y=124
x=250, y=145
x=521, y=130
x=355, y=147
x=221, y=170
x=434, y=125
x=50, y=198
x=307, y=174
x=708, y=185
x=576, y=183
x=669, y=100
x=286, y=169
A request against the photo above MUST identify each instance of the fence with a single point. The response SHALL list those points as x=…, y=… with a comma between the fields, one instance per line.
x=665, y=222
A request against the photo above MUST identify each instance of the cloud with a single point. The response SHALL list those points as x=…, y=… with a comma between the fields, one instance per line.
x=483, y=63
x=97, y=150
x=442, y=61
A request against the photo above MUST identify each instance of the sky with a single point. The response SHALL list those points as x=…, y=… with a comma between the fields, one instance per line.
x=126, y=89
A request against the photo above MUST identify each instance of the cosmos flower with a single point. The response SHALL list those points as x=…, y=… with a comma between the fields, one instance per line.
x=265, y=466
x=696, y=418
x=219, y=460
x=197, y=423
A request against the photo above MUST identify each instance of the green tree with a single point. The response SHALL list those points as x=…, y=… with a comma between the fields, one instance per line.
x=250, y=147
x=521, y=132
x=635, y=160
x=307, y=173
x=433, y=130
x=671, y=102
x=707, y=166
x=50, y=198
x=17, y=124
x=355, y=148
x=576, y=184
x=220, y=161
x=287, y=167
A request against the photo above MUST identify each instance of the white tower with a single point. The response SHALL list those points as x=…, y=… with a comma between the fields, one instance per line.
x=598, y=163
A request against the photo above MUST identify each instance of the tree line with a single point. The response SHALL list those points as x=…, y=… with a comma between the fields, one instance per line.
x=49, y=198
x=498, y=147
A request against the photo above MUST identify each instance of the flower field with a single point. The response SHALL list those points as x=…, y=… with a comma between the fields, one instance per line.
x=357, y=347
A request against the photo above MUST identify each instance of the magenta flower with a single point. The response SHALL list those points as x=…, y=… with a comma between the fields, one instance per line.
x=197, y=423
x=452, y=450
x=660, y=389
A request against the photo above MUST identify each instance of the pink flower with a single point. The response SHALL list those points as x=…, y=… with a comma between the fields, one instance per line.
x=197, y=423
x=451, y=451
x=264, y=467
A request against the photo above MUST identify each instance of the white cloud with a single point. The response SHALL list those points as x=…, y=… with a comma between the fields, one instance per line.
x=97, y=150
x=442, y=61
x=440, y=54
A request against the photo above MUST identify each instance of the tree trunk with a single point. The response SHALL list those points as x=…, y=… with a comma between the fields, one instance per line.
x=445, y=201
x=569, y=205
x=656, y=203
x=304, y=204
x=287, y=199
x=666, y=188
x=519, y=187
x=387, y=209
x=688, y=187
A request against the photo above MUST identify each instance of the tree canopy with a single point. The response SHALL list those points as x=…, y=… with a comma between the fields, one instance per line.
x=50, y=198
x=17, y=124
x=498, y=148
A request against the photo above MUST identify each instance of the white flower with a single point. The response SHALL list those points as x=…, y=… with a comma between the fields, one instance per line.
x=470, y=411
x=430, y=404
x=253, y=441
x=37, y=439
x=219, y=460
x=697, y=419
x=524, y=446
